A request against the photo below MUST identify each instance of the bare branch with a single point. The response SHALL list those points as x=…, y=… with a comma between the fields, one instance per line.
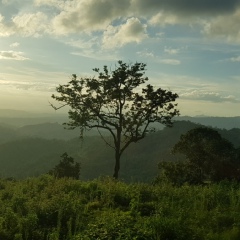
x=57, y=108
x=105, y=140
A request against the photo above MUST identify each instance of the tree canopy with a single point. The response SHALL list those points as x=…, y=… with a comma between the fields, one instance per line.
x=118, y=101
x=214, y=156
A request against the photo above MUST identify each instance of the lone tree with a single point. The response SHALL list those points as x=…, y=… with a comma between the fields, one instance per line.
x=114, y=101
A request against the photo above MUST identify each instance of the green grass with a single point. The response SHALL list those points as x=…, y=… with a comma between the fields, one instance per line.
x=59, y=209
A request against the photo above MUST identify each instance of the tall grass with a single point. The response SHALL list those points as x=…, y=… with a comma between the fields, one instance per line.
x=51, y=209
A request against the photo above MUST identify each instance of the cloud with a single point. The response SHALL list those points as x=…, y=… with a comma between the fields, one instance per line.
x=164, y=19
x=24, y=85
x=208, y=96
x=54, y=3
x=90, y=47
x=189, y=7
x=12, y=55
x=146, y=53
x=25, y=24
x=88, y=15
x=14, y=45
x=5, y=31
x=132, y=31
x=171, y=51
x=65, y=17
x=37, y=86
x=31, y=24
x=97, y=55
x=159, y=59
x=226, y=26
x=234, y=59
x=170, y=61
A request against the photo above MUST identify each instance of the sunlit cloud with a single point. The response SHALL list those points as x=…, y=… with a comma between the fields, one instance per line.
x=12, y=55
x=162, y=19
x=208, y=96
x=31, y=24
x=132, y=31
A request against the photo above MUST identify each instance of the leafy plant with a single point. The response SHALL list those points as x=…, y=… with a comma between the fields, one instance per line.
x=66, y=168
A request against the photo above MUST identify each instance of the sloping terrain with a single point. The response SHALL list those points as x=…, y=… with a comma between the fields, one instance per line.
x=31, y=156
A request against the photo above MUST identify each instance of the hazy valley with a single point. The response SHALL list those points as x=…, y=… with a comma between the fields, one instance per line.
x=31, y=144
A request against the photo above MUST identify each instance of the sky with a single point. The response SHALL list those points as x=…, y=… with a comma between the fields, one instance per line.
x=191, y=47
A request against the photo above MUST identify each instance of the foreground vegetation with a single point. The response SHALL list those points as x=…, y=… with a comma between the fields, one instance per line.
x=52, y=209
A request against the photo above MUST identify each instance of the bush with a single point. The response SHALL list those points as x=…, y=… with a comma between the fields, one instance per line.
x=66, y=168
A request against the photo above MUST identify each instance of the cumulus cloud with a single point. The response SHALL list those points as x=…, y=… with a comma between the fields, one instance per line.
x=209, y=96
x=12, y=55
x=30, y=24
x=5, y=30
x=226, y=26
x=189, y=7
x=64, y=17
x=132, y=31
x=89, y=15
x=25, y=24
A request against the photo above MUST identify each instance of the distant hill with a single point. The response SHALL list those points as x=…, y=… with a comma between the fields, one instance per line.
x=46, y=130
x=18, y=118
x=33, y=156
x=7, y=134
x=218, y=122
x=12, y=113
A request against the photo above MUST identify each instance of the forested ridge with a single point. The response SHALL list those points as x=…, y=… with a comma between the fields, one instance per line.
x=31, y=156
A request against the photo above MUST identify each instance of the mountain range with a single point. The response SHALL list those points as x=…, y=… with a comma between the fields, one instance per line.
x=32, y=150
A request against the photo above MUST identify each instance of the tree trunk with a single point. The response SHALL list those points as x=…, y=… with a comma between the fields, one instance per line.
x=117, y=165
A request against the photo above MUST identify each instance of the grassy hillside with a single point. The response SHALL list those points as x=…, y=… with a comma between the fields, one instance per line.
x=45, y=208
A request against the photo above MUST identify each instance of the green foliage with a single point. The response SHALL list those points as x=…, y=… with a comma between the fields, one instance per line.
x=66, y=209
x=179, y=172
x=66, y=168
x=209, y=157
x=114, y=102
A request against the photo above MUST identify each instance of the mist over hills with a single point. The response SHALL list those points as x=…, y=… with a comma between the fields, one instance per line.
x=32, y=143
x=19, y=118
x=35, y=149
x=218, y=122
